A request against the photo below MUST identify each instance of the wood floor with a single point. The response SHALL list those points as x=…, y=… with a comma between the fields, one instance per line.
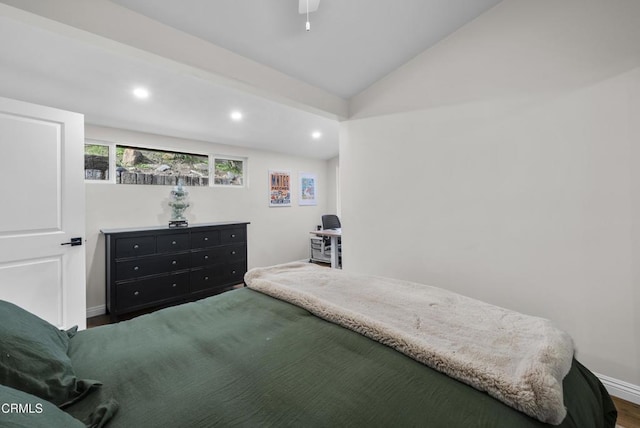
x=628, y=413
x=104, y=319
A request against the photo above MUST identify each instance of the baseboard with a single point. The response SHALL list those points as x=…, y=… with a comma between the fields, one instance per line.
x=621, y=389
x=96, y=310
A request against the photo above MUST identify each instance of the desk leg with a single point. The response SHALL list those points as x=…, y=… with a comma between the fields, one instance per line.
x=334, y=252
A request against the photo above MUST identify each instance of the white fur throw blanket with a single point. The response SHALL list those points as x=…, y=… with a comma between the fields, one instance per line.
x=518, y=359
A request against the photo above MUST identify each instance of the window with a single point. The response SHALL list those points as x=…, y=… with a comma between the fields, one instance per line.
x=228, y=171
x=106, y=162
x=156, y=167
x=96, y=161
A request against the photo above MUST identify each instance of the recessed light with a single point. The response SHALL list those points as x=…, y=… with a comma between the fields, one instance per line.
x=236, y=115
x=316, y=135
x=141, y=93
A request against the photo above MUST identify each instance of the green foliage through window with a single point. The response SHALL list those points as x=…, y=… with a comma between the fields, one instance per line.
x=135, y=165
x=156, y=167
x=228, y=172
x=96, y=162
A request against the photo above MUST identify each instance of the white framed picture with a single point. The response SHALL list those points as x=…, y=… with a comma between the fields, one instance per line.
x=308, y=186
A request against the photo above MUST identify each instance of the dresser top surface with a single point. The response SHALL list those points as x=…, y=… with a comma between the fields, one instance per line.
x=159, y=228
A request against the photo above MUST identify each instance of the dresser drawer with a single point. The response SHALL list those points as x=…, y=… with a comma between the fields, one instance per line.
x=232, y=236
x=212, y=277
x=205, y=239
x=152, y=290
x=173, y=242
x=204, y=279
x=151, y=265
x=133, y=247
x=219, y=255
x=233, y=273
x=204, y=257
x=232, y=253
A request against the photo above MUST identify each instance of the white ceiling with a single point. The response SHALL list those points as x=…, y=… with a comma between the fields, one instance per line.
x=51, y=69
x=352, y=44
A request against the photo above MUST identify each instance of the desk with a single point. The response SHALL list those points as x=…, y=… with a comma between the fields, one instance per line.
x=334, y=234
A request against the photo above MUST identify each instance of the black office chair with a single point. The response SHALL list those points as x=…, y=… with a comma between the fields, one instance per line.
x=331, y=221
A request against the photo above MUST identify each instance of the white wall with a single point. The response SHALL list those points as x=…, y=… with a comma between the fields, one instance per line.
x=504, y=162
x=275, y=235
x=332, y=187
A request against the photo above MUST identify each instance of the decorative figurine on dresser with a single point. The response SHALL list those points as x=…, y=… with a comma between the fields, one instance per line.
x=179, y=203
x=160, y=266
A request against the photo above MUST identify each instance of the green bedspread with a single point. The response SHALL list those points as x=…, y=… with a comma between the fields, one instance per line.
x=246, y=359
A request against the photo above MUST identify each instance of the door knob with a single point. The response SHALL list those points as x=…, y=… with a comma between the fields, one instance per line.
x=74, y=242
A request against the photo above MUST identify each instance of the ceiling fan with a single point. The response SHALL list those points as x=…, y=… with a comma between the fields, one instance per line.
x=308, y=6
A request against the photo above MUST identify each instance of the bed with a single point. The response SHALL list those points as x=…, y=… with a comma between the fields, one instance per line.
x=247, y=359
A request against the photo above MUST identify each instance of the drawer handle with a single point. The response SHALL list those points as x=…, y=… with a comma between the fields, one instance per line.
x=136, y=293
x=233, y=272
x=233, y=235
x=206, y=257
x=136, y=268
x=173, y=242
x=206, y=278
x=135, y=247
x=174, y=262
x=233, y=252
x=174, y=285
x=206, y=239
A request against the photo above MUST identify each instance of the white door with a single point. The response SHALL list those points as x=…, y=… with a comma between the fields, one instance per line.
x=41, y=208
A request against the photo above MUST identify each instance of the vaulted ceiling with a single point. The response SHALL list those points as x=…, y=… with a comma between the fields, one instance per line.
x=201, y=59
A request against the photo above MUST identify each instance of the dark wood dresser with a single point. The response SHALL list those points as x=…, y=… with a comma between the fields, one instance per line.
x=159, y=266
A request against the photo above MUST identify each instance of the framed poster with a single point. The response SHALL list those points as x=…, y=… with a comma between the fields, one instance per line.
x=308, y=189
x=279, y=189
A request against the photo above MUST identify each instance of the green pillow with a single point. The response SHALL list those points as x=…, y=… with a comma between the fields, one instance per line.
x=33, y=358
x=21, y=410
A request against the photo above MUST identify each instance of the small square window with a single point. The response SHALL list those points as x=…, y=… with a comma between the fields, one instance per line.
x=96, y=162
x=229, y=171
